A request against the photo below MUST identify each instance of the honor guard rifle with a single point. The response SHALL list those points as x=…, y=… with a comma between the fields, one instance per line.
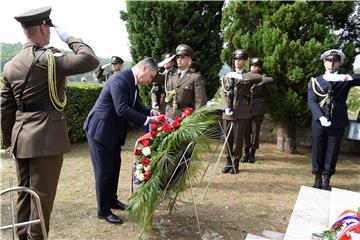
x=157, y=90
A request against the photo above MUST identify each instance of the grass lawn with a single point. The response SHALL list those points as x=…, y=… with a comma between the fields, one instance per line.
x=261, y=197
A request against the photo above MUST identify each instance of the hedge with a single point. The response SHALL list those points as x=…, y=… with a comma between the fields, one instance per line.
x=81, y=98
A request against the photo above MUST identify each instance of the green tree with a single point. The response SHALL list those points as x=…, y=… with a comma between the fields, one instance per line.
x=290, y=36
x=156, y=27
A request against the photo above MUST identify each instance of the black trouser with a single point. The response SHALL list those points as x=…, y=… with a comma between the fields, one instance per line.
x=106, y=163
x=325, y=148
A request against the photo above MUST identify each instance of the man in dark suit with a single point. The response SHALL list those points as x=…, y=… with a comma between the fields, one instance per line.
x=327, y=101
x=106, y=129
x=32, y=119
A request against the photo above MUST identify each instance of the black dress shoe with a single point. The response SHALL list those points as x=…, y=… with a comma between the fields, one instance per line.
x=111, y=218
x=23, y=237
x=118, y=205
x=226, y=169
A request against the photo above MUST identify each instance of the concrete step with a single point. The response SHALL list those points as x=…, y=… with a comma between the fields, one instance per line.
x=342, y=200
x=250, y=236
x=310, y=214
x=273, y=235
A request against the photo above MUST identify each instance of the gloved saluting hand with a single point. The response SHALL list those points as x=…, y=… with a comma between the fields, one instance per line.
x=64, y=36
x=324, y=122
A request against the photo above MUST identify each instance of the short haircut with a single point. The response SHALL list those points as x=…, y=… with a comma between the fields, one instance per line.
x=30, y=31
x=149, y=62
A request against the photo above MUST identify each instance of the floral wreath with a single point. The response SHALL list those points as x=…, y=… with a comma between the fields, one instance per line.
x=345, y=226
x=157, y=152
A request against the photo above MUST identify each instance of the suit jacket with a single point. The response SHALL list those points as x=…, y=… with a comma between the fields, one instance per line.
x=190, y=91
x=40, y=133
x=340, y=92
x=117, y=104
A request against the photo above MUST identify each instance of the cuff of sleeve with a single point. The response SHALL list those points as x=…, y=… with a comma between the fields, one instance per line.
x=147, y=121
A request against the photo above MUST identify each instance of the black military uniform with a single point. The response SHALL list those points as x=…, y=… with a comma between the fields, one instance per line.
x=327, y=101
x=257, y=111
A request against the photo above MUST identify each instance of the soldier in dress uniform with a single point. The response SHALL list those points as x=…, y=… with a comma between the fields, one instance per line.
x=158, y=91
x=327, y=101
x=184, y=88
x=33, y=123
x=257, y=111
x=235, y=96
x=116, y=63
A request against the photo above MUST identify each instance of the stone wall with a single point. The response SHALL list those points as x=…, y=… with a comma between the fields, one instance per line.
x=268, y=134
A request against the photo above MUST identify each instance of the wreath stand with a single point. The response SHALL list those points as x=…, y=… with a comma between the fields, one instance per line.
x=14, y=225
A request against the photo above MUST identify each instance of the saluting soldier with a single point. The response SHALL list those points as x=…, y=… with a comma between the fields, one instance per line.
x=257, y=111
x=327, y=96
x=32, y=118
x=158, y=90
x=236, y=92
x=184, y=88
x=116, y=63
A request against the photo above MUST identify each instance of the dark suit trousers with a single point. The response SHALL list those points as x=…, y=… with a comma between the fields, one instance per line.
x=41, y=175
x=325, y=148
x=106, y=163
x=252, y=134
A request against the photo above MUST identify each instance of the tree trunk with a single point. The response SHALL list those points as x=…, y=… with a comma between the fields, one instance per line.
x=286, y=138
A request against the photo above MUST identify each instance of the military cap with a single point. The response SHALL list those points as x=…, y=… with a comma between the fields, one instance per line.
x=166, y=58
x=35, y=17
x=241, y=53
x=333, y=54
x=256, y=61
x=184, y=50
x=116, y=59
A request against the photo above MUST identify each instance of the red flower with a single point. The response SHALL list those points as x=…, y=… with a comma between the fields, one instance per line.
x=147, y=175
x=161, y=118
x=177, y=119
x=137, y=152
x=145, y=162
x=176, y=124
x=153, y=127
x=145, y=142
x=357, y=228
x=188, y=111
x=165, y=127
x=346, y=236
x=153, y=134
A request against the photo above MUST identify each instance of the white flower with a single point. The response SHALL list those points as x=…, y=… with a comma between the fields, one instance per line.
x=140, y=177
x=146, y=151
x=139, y=166
x=138, y=172
x=148, y=168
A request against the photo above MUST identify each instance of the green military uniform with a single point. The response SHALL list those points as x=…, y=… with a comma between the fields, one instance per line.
x=257, y=111
x=159, y=84
x=184, y=88
x=240, y=117
x=35, y=129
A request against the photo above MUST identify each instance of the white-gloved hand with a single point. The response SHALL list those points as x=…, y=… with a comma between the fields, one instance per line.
x=64, y=36
x=228, y=112
x=155, y=107
x=324, y=122
x=334, y=77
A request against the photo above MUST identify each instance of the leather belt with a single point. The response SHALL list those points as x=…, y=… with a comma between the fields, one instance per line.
x=44, y=107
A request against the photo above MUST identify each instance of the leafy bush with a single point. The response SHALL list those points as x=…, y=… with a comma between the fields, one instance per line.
x=353, y=101
x=81, y=98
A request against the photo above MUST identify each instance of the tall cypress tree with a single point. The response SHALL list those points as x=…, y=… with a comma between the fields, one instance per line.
x=156, y=27
x=290, y=36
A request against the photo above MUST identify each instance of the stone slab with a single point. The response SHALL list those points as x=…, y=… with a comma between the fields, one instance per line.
x=273, y=235
x=342, y=200
x=310, y=214
x=250, y=236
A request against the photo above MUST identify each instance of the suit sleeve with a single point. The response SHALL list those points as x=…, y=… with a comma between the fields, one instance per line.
x=8, y=110
x=84, y=59
x=200, y=93
x=120, y=89
x=313, y=102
